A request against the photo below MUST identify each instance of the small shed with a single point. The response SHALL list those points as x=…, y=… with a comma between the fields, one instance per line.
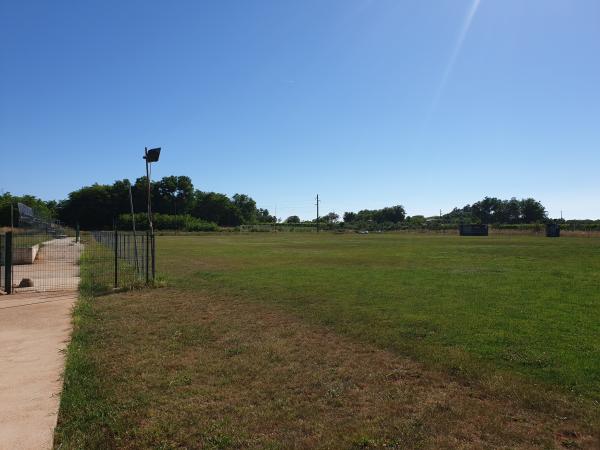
x=473, y=229
x=552, y=230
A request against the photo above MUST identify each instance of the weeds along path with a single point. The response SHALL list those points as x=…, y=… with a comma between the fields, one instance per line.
x=175, y=368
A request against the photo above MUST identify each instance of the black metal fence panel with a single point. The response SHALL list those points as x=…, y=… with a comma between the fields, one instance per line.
x=122, y=258
x=45, y=261
x=2, y=265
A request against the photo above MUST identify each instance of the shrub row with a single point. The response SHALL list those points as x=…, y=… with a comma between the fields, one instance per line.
x=166, y=222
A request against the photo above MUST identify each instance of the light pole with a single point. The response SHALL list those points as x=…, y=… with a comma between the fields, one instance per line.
x=135, y=248
x=150, y=156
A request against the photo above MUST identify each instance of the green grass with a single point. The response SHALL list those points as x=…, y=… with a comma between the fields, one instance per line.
x=84, y=414
x=25, y=240
x=519, y=305
x=98, y=270
x=300, y=341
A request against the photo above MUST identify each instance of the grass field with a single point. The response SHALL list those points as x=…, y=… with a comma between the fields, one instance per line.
x=526, y=304
x=304, y=340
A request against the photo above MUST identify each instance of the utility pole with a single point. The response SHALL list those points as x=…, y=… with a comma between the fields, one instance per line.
x=175, y=204
x=318, y=201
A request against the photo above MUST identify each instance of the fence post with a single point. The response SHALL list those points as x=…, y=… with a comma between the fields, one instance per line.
x=147, y=257
x=116, y=258
x=8, y=262
x=152, y=243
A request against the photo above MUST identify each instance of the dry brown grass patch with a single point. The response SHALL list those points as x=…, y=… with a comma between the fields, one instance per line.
x=182, y=370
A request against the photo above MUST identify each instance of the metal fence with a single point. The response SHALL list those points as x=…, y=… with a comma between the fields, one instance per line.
x=128, y=258
x=39, y=261
x=2, y=265
x=43, y=261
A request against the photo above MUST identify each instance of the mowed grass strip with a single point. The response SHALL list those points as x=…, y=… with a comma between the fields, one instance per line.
x=479, y=307
x=172, y=368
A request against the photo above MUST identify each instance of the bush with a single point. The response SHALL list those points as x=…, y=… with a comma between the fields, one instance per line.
x=166, y=222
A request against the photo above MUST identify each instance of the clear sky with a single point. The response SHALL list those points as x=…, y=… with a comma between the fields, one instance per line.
x=426, y=103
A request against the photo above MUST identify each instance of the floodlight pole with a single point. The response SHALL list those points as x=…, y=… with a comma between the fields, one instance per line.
x=149, y=192
x=135, y=249
x=151, y=156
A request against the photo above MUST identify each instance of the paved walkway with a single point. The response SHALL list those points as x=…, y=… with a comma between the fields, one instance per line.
x=34, y=330
x=35, y=326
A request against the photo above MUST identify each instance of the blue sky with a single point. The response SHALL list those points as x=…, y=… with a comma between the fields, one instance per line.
x=369, y=103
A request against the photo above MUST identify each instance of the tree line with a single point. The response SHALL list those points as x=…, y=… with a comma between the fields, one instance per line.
x=492, y=210
x=45, y=209
x=101, y=206
x=178, y=205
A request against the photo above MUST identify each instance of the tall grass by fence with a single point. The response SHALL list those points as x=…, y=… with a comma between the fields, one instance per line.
x=119, y=259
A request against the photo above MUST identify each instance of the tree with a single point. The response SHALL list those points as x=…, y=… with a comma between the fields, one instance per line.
x=331, y=218
x=175, y=195
x=41, y=208
x=263, y=216
x=493, y=210
x=459, y=215
x=184, y=194
x=218, y=208
x=393, y=214
x=167, y=194
x=91, y=206
x=416, y=221
x=292, y=219
x=247, y=207
x=140, y=195
x=532, y=211
x=484, y=211
x=349, y=217
x=511, y=211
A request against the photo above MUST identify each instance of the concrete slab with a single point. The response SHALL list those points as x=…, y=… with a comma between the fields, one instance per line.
x=34, y=331
x=25, y=255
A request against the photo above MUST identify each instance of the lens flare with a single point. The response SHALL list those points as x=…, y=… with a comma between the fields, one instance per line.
x=464, y=31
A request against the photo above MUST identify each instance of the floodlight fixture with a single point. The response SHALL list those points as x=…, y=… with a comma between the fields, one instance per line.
x=152, y=155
